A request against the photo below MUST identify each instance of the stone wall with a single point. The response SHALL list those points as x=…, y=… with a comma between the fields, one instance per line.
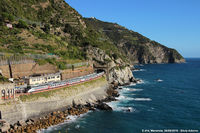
x=67, y=74
x=19, y=110
x=5, y=71
x=21, y=70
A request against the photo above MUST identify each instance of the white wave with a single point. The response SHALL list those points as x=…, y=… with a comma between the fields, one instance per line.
x=115, y=106
x=70, y=119
x=77, y=126
x=126, y=89
x=132, y=84
x=141, y=82
x=122, y=98
x=142, y=99
x=151, y=109
x=159, y=80
x=130, y=89
x=140, y=70
x=136, y=90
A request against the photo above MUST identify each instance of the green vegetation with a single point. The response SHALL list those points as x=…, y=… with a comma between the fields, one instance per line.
x=128, y=42
x=22, y=24
x=3, y=79
x=48, y=26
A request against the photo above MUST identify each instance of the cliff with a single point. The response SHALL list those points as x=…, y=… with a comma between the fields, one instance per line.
x=136, y=47
x=118, y=70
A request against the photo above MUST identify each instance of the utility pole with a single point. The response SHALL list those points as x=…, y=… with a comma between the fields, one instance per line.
x=10, y=68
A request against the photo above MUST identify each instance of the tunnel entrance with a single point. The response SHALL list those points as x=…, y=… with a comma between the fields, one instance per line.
x=100, y=70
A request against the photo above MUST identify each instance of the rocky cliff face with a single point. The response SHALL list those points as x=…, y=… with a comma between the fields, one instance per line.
x=121, y=75
x=137, y=48
x=118, y=71
x=151, y=52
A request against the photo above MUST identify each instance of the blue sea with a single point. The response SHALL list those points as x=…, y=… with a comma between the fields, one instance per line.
x=172, y=102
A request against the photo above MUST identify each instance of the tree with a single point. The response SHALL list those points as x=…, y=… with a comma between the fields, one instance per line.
x=46, y=28
x=68, y=29
x=11, y=18
x=22, y=24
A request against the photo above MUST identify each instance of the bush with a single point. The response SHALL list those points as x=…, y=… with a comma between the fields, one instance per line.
x=61, y=65
x=3, y=79
x=46, y=28
x=22, y=24
x=17, y=48
x=68, y=29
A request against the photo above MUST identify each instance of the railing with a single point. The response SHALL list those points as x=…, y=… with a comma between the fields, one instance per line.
x=23, y=59
x=69, y=66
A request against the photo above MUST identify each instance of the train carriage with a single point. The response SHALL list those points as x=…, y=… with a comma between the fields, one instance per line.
x=69, y=82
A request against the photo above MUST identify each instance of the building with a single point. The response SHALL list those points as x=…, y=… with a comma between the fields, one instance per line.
x=9, y=26
x=7, y=91
x=43, y=78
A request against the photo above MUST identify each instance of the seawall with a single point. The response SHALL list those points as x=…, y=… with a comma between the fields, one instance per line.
x=35, y=105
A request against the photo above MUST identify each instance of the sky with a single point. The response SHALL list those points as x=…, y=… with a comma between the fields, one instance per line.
x=173, y=23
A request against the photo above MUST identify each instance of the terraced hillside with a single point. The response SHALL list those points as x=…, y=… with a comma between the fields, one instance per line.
x=53, y=27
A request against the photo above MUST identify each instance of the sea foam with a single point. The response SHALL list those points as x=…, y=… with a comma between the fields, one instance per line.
x=142, y=99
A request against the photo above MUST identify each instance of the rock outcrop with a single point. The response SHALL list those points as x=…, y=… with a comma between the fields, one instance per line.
x=117, y=70
x=121, y=75
x=136, y=47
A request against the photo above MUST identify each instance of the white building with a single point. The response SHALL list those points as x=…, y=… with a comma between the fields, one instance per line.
x=41, y=79
x=9, y=26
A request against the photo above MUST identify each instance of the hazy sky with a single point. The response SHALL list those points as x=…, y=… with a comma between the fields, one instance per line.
x=174, y=23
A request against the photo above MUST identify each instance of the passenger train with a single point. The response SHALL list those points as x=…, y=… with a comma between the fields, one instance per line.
x=69, y=82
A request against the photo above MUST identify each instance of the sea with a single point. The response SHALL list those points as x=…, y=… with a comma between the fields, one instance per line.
x=167, y=100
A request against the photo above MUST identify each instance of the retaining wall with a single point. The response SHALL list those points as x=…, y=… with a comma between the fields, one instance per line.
x=18, y=110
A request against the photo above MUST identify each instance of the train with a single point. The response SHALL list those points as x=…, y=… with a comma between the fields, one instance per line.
x=69, y=82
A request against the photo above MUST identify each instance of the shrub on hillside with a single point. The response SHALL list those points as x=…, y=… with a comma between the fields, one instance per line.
x=22, y=24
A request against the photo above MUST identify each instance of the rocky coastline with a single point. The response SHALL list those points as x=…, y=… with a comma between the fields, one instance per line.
x=33, y=125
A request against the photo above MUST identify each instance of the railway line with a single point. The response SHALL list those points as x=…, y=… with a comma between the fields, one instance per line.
x=61, y=84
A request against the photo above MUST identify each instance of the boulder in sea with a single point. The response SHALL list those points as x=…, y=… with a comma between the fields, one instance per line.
x=115, y=94
x=103, y=106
